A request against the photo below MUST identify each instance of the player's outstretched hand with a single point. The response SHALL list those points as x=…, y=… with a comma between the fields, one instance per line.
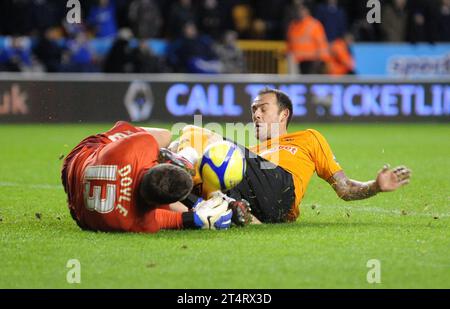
x=391, y=179
x=213, y=214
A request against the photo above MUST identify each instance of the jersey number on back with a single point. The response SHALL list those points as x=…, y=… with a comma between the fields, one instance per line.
x=101, y=174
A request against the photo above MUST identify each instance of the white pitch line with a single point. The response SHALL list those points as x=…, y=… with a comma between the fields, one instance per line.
x=352, y=209
x=432, y=265
x=31, y=186
x=398, y=212
x=395, y=212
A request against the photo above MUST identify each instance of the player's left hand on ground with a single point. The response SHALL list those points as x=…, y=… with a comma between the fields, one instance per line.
x=213, y=214
x=392, y=179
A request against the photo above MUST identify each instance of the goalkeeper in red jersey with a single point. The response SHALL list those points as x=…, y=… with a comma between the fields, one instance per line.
x=120, y=180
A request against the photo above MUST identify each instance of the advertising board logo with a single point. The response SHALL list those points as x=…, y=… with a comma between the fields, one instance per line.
x=419, y=65
x=139, y=101
x=206, y=99
x=14, y=102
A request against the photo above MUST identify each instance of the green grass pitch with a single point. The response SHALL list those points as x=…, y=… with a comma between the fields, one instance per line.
x=408, y=231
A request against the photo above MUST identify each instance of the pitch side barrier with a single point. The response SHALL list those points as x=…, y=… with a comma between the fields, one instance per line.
x=55, y=98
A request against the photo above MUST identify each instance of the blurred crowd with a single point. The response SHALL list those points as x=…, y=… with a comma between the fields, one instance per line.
x=202, y=35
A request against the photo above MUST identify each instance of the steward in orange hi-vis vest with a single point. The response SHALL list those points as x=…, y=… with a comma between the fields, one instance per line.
x=341, y=61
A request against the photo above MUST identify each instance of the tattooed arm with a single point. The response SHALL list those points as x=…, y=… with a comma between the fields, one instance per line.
x=387, y=180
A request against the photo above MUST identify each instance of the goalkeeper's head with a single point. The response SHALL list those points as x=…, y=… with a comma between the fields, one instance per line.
x=164, y=184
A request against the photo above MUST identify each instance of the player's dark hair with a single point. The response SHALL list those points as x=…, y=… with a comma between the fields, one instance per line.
x=283, y=101
x=165, y=184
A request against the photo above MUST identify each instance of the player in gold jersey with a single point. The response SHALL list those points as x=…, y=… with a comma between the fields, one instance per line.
x=280, y=167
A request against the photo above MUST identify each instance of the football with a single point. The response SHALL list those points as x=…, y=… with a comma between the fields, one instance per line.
x=222, y=166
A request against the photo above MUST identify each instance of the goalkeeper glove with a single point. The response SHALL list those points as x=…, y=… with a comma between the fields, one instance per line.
x=212, y=214
x=241, y=208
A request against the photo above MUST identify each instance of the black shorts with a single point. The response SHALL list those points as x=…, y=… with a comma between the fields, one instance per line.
x=267, y=187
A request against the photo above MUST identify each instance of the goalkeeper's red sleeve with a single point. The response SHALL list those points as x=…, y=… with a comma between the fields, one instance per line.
x=168, y=220
x=158, y=219
x=163, y=219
